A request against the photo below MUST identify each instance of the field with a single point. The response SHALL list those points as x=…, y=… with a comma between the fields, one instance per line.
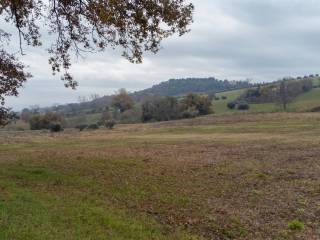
x=240, y=176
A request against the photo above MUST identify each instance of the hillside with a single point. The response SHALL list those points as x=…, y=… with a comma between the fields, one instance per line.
x=173, y=87
x=91, y=112
x=179, y=87
x=305, y=102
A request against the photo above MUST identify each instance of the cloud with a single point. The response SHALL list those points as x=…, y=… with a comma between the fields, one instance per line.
x=235, y=39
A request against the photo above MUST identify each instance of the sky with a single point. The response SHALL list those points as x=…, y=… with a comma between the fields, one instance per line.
x=235, y=39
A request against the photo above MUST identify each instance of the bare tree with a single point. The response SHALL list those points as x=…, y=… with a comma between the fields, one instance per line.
x=283, y=94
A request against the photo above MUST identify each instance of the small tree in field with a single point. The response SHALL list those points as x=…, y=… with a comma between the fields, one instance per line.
x=110, y=124
x=283, y=94
x=122, y=101
x=198, y=102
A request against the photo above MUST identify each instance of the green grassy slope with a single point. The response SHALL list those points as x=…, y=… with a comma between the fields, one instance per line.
x=306, y=101
x=220, y=106
x=303, y=103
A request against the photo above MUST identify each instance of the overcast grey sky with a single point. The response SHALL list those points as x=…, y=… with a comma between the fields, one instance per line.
x=234, y=39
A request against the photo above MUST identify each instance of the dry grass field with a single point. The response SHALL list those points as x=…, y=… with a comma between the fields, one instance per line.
x=245, y=176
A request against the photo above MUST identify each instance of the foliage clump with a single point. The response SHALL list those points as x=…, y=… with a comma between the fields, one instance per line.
x=50, y=120
x=110, y=124
x=170, y=108
x=231, y=105
x=55, y=127
x=243, y=106
x=296, y=225
x=122, y=101
x=93, y=126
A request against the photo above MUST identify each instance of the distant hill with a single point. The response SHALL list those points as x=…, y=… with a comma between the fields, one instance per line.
x=178, y=87
x=173, y=87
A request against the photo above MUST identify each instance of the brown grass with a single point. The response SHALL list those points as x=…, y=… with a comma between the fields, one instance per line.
x=228, y=177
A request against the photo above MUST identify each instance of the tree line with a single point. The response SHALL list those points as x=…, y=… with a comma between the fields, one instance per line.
x=124, y=109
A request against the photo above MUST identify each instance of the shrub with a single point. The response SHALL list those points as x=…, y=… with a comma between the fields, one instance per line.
x=224, y=97
x=296, y=225
x=82, y=127
x=122, y=101
x=199, y=102
x=315, y=109
x=131, y=116
x=93, y=126
x=216, y=98
x=231, y=105
x=190, y=113
x=160, y=109
x=243, y=106
x=35, y=122
x=55, y=127
x=39, y=122
x=110, y=124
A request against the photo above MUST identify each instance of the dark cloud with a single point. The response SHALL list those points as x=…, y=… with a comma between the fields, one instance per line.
x=236, y=39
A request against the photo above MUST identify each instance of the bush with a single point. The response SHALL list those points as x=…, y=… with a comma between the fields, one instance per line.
x=315, y=109
x=216, y=98
x=131, y=116
x=231, y=105
x=190, y=113
x=160, y=109
x=93, y=126
x=39, y=122
x=55, y=127
x=110, y=124
x=243, y=106
x=35, y=123
x=82, y=127
x=198, y=102
x=295, y=225
x=224, y=97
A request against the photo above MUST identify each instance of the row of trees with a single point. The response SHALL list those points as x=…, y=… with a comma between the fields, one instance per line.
x=157, y=108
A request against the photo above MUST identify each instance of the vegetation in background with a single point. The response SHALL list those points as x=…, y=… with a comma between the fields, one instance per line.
x=283, y=91
x=243, y=105
x=50, y=120
x=110, y=124
x=122, y=101
x=170, y=108
x=262, y=98
x=180, y=87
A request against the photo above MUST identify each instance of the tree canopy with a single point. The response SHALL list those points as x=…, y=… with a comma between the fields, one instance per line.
x=80, y=26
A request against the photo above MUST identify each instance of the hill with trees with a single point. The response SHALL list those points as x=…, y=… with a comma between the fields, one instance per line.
x=155, y=104
x=180, y=87
x=173, y=87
